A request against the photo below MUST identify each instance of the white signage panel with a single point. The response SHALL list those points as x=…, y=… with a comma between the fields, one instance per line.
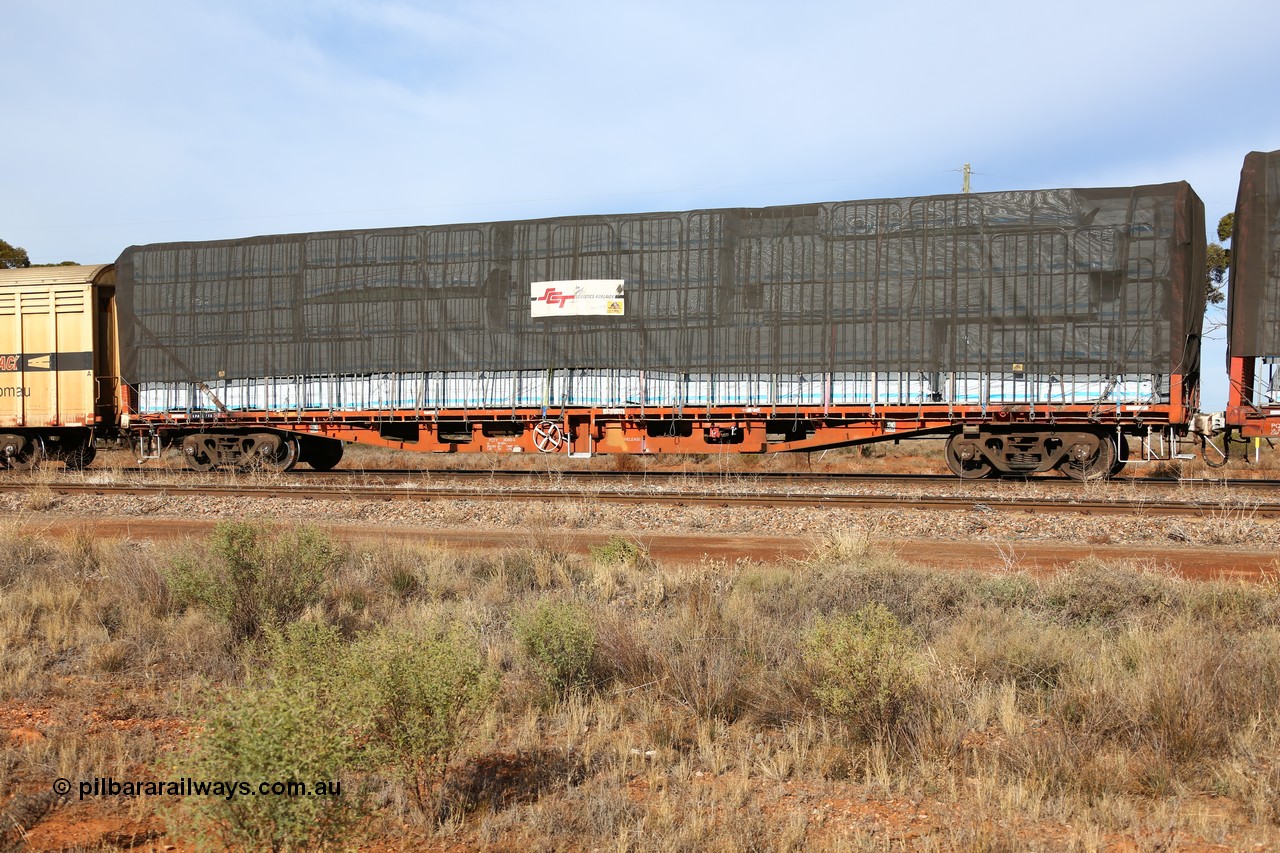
x=584, y=298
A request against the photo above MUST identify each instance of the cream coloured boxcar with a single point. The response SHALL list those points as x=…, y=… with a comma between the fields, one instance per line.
x=58, y=369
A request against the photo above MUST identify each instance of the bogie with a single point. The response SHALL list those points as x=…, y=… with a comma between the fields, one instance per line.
x=268, y=451
x=1080, y=455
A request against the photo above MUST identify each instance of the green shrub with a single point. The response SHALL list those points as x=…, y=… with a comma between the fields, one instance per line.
x=309, y=652
x=620, y=552
x=866, y=666
x=323, y=710
x=288, y=727
x=255, y=577
x=560, y=641
x=418, y=693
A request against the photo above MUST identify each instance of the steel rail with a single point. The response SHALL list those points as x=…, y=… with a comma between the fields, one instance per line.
x=1048, y=481
x=674, y=498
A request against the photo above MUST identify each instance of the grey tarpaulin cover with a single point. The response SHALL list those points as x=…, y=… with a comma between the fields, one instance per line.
x=1253, y=307
x=1086, y=281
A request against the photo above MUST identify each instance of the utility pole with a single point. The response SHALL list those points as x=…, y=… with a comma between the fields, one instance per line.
x=967, y=171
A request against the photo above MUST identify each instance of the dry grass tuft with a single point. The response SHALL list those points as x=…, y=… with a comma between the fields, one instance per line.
x=40, y=498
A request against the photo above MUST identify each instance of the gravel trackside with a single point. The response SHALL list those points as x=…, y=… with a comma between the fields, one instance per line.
x=1236, y=527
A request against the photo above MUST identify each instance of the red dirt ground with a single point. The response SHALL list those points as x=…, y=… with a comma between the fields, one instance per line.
x=1036, y=557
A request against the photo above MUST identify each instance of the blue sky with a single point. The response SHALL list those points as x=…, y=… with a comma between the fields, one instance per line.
x=140, y=122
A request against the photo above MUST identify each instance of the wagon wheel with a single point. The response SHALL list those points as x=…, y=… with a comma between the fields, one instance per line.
x=547, y=437
x=1079, y=464
x=28, y=455
x=974, y=468
x=278, y=456
x=197, y=457
x=80, y=457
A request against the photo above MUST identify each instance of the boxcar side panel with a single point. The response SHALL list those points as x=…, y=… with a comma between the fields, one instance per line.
x=47, y=355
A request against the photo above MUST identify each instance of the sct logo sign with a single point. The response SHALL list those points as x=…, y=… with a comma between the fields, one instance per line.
x=554, y=297
x=584, y=298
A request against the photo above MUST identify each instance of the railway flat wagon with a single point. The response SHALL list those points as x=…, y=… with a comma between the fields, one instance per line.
x=1253, y=306
x=58, y=373
x=1034, y=330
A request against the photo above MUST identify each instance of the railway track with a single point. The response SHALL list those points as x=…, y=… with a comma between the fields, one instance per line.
x=408, y=491
x=827, y=478
x=791, y=477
